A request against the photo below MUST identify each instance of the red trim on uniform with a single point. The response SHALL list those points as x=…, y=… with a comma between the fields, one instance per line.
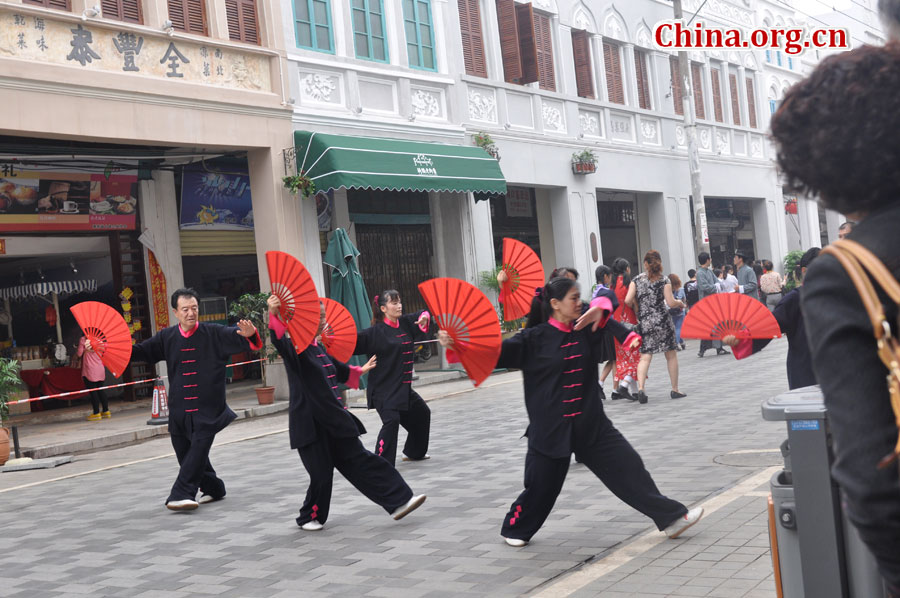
x=743, y=349
x=573, y=356
x=277, y=326
x=190, y=386
x=355, y=374
x=391, y=323
x=568, y=345
x=191, y=349
x=190, y=410
x=572, y=385
x=188, y=373
x=190, y=398
x=188, y=361
x=571, y=414
x=631, y=337
x=425, y=314
x=572, y=371
x=189, y=333
x=255, y=341
x=572, y=400
x=560, y=326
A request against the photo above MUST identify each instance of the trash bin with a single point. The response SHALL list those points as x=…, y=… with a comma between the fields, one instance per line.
x=816, y=557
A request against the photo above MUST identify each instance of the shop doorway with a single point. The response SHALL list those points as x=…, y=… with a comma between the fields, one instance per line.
x=514, y=215
x=617, y=212
x=731, y=227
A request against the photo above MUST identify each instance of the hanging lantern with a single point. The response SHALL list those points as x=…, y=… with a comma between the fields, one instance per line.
x=790, y=206
x=50, y=316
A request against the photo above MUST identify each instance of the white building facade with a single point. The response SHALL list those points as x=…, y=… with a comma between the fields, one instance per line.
x=547, y=79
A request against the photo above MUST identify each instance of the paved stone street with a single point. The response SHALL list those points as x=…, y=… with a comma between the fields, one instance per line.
x=107, y=533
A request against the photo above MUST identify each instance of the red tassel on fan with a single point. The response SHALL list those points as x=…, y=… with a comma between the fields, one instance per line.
x=339, y=335
x=108, y=333
x=294, y=286
x=471, y=321
x=525, y=272
x=718, y=316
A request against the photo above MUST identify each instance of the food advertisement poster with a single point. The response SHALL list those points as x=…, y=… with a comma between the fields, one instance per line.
x=33, y=200
x=215, y=200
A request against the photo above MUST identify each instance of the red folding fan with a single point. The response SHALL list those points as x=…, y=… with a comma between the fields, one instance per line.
x=339, y=335
x=718, y=316
x=299, y=300
x=108, y=333
x=470, y=319
x=525, y=272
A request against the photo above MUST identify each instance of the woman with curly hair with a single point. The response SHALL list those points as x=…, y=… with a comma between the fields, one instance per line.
x=653, y=294
x=836, y=139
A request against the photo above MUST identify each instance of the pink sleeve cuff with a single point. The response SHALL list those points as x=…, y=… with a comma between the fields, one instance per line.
x=355, y=374
x=743, y=349
x=426, y=315
x=452, y=356
x=277, y=326
x=255, y=341
x=602, y=303
x=630, y=338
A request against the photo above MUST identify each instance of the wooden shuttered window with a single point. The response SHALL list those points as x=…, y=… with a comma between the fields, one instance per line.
x=584, y=75
x=697, y=83
x=735, y=98
x=122, y=10
x=751, y=103
x=57, y=4
x=472, y=38
x=188, y=16
x=677, y=81
x=544, y=42
x=615, y=91
x=509, y=41
x=243, y=26
x=643, y=79
x=528, y=51
x=716, y=76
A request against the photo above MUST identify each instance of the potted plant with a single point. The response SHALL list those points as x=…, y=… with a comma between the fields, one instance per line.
x=488, y=281
x=299, y=183
x=253, y=307
x=9, y=382
x=485, y=142
x=584, y=162
x=791, y=267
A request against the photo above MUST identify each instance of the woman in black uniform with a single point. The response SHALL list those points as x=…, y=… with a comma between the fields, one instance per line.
x=326, y=434
x=559, y=358
x=389, y=390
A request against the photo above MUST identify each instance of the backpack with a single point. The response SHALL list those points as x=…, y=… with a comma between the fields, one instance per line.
x=863, y=266
x=691, y=292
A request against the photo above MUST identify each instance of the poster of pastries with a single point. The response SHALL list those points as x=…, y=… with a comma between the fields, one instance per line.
x=67, y=201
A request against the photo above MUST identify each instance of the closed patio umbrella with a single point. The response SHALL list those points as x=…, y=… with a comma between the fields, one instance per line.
x=347, y=287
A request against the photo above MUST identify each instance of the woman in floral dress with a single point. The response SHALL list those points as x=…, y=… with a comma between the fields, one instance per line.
x=626, y=359
x=653, y=294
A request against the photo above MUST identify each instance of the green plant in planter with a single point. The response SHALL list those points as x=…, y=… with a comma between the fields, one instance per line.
x=299, y=183
x=485, y=142
x=791, y=261
x=487, y=280
x=253, y=307
x=9, y=383
x=585, y=156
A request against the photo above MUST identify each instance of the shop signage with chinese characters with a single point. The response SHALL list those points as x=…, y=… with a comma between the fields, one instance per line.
x=88, y=46
x=43, y=201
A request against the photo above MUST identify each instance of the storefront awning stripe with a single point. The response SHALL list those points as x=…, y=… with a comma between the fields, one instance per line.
x=62, y=288
x=334, y=161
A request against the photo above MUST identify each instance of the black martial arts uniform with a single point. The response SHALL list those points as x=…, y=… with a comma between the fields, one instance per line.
x=389, y=388
x=327, y=435
x=196, y=362
x=565, y=413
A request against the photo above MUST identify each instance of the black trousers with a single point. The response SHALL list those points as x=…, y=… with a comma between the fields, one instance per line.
x=374, y=477
x=613, y=460
x=416, y=420
x=196, y=471
x=706, y=345
x=97, y=396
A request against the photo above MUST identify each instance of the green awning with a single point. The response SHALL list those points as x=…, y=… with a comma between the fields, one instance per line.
x=341, y=161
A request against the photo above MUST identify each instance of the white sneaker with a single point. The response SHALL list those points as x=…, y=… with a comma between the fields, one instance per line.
x=427, y=456
x=515, y=542
x=312, y=526
x=414, y=503
x=182, y=505
x=680, y=525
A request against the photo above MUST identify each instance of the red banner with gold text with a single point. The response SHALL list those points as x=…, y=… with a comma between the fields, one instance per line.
x=160, y=297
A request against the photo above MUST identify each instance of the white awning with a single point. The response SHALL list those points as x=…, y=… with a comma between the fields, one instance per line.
x=62, y=288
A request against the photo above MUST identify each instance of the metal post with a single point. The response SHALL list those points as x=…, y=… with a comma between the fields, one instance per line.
x=701, y=241
x=15, y=436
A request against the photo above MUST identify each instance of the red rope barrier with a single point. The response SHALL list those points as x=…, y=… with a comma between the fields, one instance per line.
x=87, y=390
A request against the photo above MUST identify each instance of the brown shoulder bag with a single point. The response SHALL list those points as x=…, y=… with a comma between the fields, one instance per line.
x=863, y=266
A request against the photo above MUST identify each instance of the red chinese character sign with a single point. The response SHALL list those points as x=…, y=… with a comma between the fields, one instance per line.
x=43, y=201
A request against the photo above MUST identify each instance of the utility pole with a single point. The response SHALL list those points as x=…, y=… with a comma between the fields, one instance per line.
x=701, y=242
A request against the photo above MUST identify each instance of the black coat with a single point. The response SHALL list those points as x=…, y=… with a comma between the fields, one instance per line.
x=390, y=384
x=196, y=369
x=562, y=393
x=799, y=361
x=853, y=381
x=313, y=376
